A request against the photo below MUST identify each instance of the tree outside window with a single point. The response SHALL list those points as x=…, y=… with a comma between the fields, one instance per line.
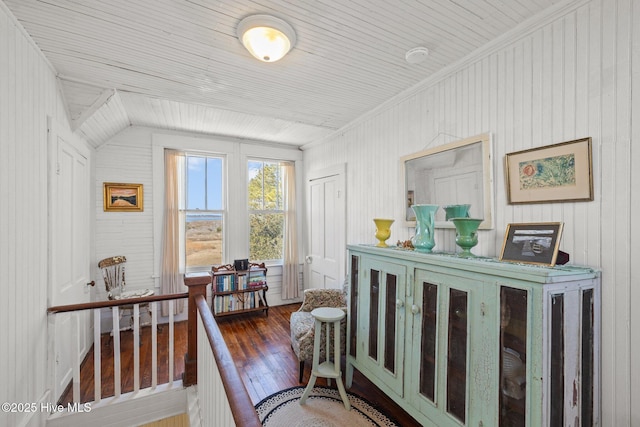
x=266, y=211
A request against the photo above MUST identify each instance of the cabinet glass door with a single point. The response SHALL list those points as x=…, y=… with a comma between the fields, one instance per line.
x=457, y=332
x=429, y=336
x=353, y=305
x=513, y=357
x=381, y=325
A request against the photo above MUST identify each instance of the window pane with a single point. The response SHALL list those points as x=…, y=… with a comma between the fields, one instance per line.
x=214, y=183
x=196, y=168
x=255, y=186
x=265, y=236
x=203, y=239
x=272, y=189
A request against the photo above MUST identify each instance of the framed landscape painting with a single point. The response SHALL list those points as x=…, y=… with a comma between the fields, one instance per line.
x=554, y=173
x=532, y=243
x=123, y=197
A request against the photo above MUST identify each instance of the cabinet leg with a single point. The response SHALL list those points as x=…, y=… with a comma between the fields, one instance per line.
x=348, y=375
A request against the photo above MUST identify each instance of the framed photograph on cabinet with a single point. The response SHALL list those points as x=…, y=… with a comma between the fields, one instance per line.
x=532, y=243
x=554, y=173
x=123, y=197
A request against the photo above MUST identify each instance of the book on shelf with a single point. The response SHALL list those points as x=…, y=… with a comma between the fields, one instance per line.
x=256, y=279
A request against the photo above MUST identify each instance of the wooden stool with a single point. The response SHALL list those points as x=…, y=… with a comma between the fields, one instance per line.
x=327, y=369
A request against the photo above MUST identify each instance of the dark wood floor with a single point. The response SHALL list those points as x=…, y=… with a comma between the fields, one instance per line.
x=260, y=346
x=262, y=351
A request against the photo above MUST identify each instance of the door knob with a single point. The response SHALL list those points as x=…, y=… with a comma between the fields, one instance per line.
x=91, y=283
x=415, y=309
x=308, y=259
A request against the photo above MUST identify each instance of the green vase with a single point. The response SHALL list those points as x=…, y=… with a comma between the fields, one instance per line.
x=456, y=211
x=466, y=234
x=424, y=239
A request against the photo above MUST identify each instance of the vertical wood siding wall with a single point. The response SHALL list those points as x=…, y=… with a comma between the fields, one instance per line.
x=126, y=159
x=575, y=76
x=28, y=94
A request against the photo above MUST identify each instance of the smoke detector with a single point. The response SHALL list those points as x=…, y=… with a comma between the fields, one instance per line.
x=416, y=55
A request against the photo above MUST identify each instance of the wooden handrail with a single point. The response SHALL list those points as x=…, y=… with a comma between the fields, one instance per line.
x=244, y=414
x=114, y=303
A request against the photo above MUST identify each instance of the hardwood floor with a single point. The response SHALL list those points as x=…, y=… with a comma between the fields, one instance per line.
x=260, y=346
x=87, y=386
x=262, y=351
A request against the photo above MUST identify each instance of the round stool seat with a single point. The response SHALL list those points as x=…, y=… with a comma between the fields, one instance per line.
x=328, y=314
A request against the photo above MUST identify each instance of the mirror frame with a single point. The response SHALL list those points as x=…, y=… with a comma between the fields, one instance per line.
x=487, y=177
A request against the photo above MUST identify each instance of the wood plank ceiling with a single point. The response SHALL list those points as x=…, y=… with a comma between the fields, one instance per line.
x=177, y=64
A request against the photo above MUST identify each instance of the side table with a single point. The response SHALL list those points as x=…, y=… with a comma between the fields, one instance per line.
x=327, y=369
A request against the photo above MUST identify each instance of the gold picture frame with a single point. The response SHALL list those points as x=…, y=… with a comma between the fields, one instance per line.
x=532, y=243
x=119, y=197
x=553, y=173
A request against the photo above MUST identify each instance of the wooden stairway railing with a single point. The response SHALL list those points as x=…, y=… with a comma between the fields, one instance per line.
x=199, y=317
x=239, y=401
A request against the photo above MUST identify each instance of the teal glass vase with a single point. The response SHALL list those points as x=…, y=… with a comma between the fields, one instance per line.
x=424, y=240
x=456, y=211
x=466, y=234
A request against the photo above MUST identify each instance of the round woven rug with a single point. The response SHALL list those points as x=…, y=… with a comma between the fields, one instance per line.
x=324, y=408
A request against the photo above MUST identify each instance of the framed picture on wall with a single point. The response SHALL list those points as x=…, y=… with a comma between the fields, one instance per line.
x=123, y=197
x=532, y=243
x=554, y=173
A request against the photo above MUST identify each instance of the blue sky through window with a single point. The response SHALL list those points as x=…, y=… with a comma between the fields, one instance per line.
x=204, y=183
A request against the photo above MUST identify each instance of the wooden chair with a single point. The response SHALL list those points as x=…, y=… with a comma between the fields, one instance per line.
x=113, y=269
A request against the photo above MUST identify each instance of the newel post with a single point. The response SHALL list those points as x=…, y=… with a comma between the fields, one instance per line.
x=197, y=284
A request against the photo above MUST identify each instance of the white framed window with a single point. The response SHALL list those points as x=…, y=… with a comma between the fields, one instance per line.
x=204, y=212
x=266, y=211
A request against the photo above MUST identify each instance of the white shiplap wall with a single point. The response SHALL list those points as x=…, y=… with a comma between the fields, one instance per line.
x=569, y=77
x=28, y=94
x=126, y=159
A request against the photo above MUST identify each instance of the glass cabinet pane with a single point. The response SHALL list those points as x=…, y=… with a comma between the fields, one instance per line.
x=556, y=379
x=457, y=355
x=429, y=311
x=390, y=324
x=353, y=302
x=513, y=357
x=374, y=297
x=587, y=357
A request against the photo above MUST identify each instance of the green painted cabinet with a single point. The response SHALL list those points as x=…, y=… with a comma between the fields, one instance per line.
x=476, y=342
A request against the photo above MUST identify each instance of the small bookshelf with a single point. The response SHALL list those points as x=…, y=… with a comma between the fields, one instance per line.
x=239, y=291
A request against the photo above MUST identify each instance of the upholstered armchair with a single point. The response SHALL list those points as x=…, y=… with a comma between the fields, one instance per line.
x=302, y=324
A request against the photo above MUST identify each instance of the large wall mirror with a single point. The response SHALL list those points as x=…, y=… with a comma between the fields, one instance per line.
x=456, y=173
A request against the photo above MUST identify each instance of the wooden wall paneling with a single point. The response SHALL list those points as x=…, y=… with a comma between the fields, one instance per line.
x=634, y=201
x=571, y=78
x=28, y=94
x=615, y=309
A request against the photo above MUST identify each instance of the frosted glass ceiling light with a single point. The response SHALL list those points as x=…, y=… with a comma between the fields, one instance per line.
x=266, y=37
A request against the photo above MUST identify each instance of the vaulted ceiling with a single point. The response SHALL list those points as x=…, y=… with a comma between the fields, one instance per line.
x=178, y=64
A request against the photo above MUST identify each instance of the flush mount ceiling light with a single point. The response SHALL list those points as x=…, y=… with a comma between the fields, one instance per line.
x=266, y=37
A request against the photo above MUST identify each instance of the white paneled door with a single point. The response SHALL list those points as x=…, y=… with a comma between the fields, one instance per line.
x=326, y=216
x=69, y=268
